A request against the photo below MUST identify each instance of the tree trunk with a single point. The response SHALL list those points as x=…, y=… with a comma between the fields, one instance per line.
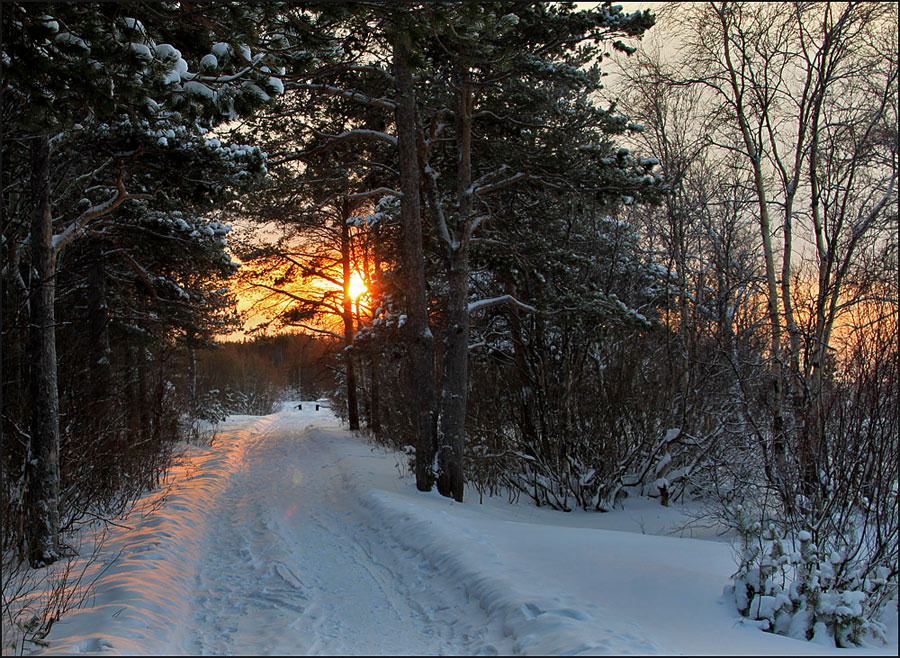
x=192, y=375
x=778, y=443
x=418, y=334
x=452, y=437
x=374, y=411
x=139, y=394
x=374, y=418
x=130, y=395
x=100, y=368
x=42, y=467
x=347, y=316
x=451, y=480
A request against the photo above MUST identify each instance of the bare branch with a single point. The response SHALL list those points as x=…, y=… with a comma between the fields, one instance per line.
x=344, y=93
x=60, y=240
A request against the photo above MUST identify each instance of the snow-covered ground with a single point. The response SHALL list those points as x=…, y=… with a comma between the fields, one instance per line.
x=292, y=536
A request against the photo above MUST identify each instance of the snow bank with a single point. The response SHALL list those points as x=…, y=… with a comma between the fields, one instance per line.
x=583, y=583
x=143, y=585
x=539, y=625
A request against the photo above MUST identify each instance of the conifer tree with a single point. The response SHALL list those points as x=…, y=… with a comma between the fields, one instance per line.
x=144, y=73
x=449, y=77
x=523, y=65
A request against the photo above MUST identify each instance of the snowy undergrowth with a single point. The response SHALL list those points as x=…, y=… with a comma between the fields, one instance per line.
x=638, y=580
x=792, y=586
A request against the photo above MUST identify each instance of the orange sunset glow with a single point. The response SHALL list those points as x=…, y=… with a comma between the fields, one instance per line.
x=268, y=289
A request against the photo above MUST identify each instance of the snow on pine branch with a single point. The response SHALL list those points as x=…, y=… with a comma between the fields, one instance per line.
x=350, y=134
x=503, y=299
x=360, y=132
x=385, y=191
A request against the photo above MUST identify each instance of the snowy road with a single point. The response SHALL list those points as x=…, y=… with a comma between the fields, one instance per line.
x=293, y=566
x=289, y=535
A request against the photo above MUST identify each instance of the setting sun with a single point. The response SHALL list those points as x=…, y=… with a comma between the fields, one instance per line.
x=357, y=286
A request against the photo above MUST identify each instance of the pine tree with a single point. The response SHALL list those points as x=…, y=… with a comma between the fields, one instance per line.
x=319, y=184
x=444, y=70
x=75, y=70
x=479, y=65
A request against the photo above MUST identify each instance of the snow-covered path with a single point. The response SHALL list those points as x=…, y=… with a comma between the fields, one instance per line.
x=293, y=566
x=289, y=535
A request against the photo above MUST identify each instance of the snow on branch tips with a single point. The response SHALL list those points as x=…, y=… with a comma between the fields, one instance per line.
x=503, y=299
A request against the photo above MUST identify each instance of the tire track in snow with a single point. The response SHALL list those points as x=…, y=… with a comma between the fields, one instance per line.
x=293, y=565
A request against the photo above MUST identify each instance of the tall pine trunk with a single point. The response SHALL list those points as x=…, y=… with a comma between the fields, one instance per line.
x=347, y=316
x=42, y=467
x=100, y=366
x=374, y=416
x=374, y=411
x=451, y=480
x=452, y=435
x=419, y=339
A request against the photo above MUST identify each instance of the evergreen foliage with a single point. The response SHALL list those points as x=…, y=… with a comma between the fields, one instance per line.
x=116, y=102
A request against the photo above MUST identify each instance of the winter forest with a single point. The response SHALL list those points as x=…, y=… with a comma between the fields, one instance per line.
x=567, y=256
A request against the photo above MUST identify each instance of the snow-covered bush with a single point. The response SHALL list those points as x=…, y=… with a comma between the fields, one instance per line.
x=256, y=401
x=215, y=405
x=212, y=407
x=820, y=527
x=791, y=586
